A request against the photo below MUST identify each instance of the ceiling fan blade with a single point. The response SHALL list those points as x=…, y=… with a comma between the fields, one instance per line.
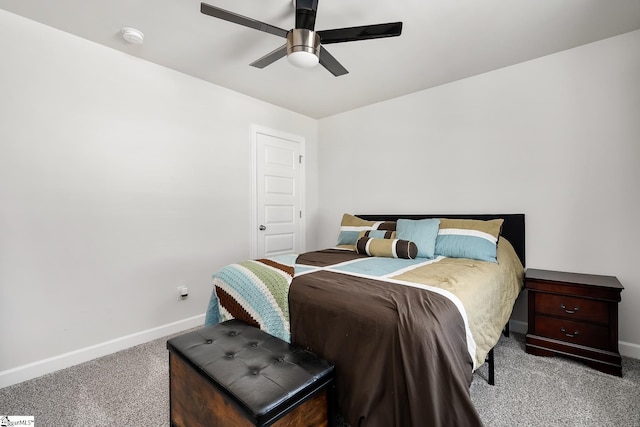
x=271, y=57
x=216, y=12
x=331, y=63
x=365, y=32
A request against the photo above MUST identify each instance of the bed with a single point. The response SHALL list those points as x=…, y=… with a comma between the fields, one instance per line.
x=404, y=333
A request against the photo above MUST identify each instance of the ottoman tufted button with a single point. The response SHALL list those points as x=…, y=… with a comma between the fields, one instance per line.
x=254, y=344
x=255, y=372
x=229, y=356
x=233, y=333
x=209, y=341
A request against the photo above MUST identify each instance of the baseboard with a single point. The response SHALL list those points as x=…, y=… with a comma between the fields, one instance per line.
x=52, y=364
x=627, y=349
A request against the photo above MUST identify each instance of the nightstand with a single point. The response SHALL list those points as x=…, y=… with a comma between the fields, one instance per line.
x=574, y=315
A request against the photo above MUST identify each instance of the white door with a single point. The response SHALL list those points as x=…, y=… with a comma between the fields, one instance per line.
x=278, y=197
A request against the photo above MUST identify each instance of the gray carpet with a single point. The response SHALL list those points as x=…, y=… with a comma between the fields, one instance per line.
x=131, y=388
x=541, y=391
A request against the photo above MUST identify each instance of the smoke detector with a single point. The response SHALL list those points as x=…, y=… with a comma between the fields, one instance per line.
x=132, y=35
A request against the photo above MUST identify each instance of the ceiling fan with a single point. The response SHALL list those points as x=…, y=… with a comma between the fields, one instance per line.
x=304, y=46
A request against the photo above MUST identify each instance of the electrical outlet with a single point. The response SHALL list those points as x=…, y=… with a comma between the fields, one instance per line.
x=183, y=293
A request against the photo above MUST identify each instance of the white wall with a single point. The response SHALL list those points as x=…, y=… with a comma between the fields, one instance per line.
x=556, y=138
x=119, y=181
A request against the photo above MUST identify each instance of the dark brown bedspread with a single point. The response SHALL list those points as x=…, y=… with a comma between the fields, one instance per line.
x=400, y=352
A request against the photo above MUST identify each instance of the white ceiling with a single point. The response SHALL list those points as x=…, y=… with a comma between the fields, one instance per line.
x=442, y=41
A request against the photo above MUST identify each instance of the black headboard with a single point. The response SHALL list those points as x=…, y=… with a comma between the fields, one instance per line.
x=512, y=229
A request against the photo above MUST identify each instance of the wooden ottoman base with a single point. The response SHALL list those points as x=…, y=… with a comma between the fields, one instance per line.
x=201, y=394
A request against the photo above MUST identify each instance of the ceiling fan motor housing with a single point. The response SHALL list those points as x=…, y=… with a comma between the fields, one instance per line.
x=303, y=40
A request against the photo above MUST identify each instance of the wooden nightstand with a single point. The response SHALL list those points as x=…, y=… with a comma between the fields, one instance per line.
x=574, y=315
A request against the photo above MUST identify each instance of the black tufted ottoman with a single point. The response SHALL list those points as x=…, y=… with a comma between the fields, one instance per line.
x=233, y=374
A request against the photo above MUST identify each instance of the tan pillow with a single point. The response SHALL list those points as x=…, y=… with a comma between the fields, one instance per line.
x=469, y=238
x=351, y=226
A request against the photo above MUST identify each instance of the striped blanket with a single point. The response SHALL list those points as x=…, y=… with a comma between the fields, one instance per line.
x=255, y=291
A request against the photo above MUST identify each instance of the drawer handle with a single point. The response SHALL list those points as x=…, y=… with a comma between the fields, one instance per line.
x=564, y=307
x=574, y=334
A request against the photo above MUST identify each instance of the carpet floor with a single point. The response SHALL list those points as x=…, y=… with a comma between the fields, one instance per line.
x=131, y=387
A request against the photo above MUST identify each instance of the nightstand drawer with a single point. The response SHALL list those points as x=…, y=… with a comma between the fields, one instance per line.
x=572, y=307
x=572, y=332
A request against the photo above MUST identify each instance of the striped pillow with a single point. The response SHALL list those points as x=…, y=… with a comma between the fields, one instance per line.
x=351, y=226
x=469, y=238
x=378, y=234
x=390, y=248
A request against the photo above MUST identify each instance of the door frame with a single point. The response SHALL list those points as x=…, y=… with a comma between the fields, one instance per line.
x=255, y=131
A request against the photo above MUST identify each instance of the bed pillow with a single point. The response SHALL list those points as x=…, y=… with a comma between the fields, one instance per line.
x=469, y=238
x=378, y=234
x=423, y=232
x=390, y=248
x=351, y=226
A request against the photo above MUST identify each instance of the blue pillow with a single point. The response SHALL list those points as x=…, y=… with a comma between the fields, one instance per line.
x=423, y=232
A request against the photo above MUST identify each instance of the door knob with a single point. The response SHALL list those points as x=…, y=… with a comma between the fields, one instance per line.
x=262, y=228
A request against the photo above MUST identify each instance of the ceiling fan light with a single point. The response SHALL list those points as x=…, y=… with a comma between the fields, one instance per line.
x=303, y=48
x=303, y=59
